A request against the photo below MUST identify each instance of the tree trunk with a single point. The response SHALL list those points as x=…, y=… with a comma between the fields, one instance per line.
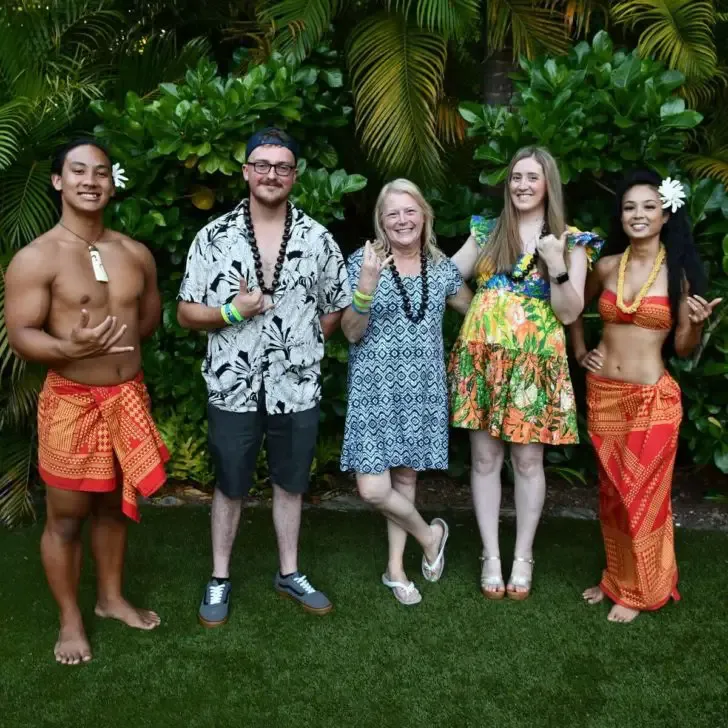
x=497, y=87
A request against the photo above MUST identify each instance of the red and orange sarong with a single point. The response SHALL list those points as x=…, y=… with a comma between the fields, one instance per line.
x=86, y=434
x=634, y=429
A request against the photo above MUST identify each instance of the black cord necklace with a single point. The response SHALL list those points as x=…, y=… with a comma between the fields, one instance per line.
x=256, y=253
x=414, y=318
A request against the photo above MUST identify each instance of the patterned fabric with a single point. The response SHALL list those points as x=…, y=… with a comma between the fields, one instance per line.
x=508, y=370
x=84, y=432
x=397, y=414
x=654, y=312
x=283, y=347
x=634, y=429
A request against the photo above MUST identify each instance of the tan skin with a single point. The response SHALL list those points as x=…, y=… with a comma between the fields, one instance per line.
x=627, y=352
x=58, y=315
x=393, y=492
x=268, y=197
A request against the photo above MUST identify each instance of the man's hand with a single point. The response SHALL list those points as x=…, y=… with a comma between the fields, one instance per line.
x=250, y=303
x=86, y=343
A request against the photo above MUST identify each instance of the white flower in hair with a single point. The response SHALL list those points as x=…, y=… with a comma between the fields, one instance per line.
x=672, y=194
x=119, y=176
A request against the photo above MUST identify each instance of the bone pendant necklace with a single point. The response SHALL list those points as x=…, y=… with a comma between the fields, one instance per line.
x=97, y=263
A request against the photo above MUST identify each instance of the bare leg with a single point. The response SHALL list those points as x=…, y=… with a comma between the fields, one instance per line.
x=397, y=508
x=108, y=543
x=225, y=517
x=623, y=615
x=487, y=454
x=530, y=492
x=287, y=522
x=404, y=481
x=60, y=548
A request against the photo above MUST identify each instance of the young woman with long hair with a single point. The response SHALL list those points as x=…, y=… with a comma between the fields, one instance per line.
x=509, y=375
x=651, y=303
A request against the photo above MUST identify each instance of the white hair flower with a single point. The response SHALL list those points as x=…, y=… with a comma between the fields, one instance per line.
x=672, y=194
x=119, y=176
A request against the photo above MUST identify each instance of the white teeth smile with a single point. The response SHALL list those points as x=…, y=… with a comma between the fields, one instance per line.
x=90, y=195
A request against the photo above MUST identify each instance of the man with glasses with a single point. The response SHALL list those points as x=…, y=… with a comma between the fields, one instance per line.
x=268, y=284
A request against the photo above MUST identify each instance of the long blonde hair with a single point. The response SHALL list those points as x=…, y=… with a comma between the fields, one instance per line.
x=382, y=245
x=504, y=245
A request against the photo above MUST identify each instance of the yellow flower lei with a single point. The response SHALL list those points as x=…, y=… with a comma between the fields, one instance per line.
x=659, y=259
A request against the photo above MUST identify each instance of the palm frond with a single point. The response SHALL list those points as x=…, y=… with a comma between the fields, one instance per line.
x=28, y=209
x=145, y=64
x=713, y=163
x=677, y=32
x=17, y=457
x=397, y=73
x=578, y=14
x=451, y=126
x=452, y=18
x=12, y=121
x=527, y=27
x=299, y=24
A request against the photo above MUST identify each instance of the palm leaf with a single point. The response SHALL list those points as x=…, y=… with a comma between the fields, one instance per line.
x=712, y=164
x=452, y=18
x=12, y=119
x=397, y=72
x=451, y=126
x=28, y=209
x=17, y=456
x=578, y=14
x=528, y=28
x=299, y=24
x=677, y=32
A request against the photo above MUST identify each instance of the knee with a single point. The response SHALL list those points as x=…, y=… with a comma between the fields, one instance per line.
x=488, y=462
x=528, y=466
x=64, y=529
x=372, y=492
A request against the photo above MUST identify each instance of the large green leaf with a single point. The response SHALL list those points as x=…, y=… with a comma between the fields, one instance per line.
x=397, y=74
x=678, y=32
x=300, y=24
x=452, y=18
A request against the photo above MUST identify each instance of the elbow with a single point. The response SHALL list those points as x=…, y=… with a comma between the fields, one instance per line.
x=182, y=318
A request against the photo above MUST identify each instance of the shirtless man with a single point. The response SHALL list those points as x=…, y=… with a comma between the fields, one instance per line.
x=79, y=299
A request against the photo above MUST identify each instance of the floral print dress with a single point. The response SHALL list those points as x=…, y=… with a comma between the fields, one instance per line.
x=508, y=370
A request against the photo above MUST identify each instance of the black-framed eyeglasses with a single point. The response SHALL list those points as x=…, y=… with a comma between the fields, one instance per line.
x=281, y=169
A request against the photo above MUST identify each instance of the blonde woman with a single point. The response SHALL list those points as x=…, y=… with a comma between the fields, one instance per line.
x=397, y=416
x=509, y=376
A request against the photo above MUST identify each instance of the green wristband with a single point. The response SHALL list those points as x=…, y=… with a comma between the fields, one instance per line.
x=224, y=314
x=234, y=313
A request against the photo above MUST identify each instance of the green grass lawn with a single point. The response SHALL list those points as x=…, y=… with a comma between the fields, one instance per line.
x=454, y=660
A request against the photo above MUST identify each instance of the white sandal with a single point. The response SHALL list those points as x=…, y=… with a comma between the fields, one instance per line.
x=492, y=587
x=515, y=583
x=410, y=594
x=433, y=571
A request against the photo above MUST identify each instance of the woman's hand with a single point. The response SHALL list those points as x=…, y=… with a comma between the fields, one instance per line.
x=551, y=250
x=371, y=268
x=592, y=361
x=700, y=309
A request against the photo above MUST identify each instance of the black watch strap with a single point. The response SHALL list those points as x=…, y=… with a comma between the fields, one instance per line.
x=561, y=278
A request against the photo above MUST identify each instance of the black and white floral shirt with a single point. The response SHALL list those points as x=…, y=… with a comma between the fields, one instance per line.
x=283, y=347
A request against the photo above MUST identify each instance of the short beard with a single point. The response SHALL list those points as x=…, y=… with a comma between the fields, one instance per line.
x=267, y=202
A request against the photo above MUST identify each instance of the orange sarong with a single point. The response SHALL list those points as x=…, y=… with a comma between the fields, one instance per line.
x=634, y=429
x=87, y=433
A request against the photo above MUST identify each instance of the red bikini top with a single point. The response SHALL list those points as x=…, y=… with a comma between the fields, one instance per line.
x=654, y=312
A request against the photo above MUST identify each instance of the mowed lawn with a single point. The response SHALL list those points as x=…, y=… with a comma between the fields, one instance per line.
x=454, y=660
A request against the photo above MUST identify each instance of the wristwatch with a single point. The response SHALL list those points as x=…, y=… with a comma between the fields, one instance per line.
x=561, y=278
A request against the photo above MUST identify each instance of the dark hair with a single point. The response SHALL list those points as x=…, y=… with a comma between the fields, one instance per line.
x=682, y=258
x=59, y=158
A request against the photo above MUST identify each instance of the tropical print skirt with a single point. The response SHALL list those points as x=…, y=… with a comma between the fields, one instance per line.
x=508, y=372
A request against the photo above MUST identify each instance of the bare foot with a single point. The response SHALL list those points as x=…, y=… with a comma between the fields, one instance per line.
x=129, y=615
x=593, y=595
x=437, y=532
x=72, y=647
x=624, y=615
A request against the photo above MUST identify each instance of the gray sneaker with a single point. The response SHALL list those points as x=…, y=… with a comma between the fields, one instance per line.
x=215, y=605
x=297, y=587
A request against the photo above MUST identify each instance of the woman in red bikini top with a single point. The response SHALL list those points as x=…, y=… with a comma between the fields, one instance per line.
x=650, y=294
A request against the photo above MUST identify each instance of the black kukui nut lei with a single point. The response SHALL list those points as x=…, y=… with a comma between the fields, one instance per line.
x=256, y=253
x=414, y=318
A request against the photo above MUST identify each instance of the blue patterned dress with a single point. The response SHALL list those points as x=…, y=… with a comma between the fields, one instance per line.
x=397, y=413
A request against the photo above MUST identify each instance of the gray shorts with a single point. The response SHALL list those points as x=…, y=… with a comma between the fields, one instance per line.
x=235, y=439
